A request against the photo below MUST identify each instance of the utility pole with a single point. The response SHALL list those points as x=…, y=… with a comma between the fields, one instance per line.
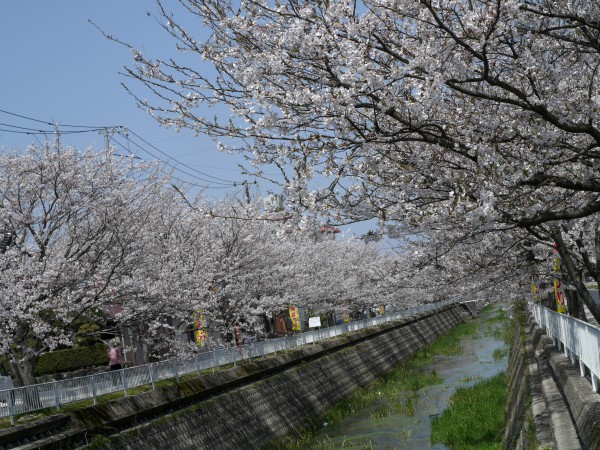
x=56, y=137
x=246, y=191
x=107, y=136
x=106, y=142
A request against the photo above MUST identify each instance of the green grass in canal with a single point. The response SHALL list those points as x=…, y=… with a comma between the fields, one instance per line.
x=393, y=393
x=474, y=417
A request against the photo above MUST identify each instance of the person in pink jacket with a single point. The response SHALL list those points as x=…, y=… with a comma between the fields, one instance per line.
x=115, y=357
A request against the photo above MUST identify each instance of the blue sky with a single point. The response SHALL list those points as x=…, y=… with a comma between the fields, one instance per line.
x=58, y=68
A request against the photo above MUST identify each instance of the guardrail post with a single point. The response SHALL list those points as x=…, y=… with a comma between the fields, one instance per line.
x=581, y=368
x=151, y=377
x=124, y=381
x=571, y=356
x=197, y=359
x=11, y=406
x=594, y=381
x=233, y=352
x=176, y=372
x=94, y=390
x=56, y=396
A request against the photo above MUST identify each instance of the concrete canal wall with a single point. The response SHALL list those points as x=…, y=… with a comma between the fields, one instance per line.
x=254, y=404
x=549, y=403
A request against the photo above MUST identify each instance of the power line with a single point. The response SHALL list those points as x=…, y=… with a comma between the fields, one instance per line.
x=224, y=186
x=35, y=131
x=123, y=131
x=26, y=132
x=168, y=163
x=179, y=162
x=53, y=124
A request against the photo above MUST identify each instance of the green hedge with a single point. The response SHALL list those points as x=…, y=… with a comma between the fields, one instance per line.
x=72, y=359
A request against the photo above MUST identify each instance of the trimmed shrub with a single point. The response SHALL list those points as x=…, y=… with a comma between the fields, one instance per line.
x=87, y=335
x=72, y=359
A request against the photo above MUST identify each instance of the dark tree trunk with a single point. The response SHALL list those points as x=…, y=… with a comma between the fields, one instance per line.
x=573, y=273
x=23, y=370
x=575, y=305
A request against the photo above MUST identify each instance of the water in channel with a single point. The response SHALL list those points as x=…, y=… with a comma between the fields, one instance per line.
x=398, y=430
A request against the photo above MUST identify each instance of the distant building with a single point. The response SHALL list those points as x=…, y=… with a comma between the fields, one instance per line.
x=329, y=231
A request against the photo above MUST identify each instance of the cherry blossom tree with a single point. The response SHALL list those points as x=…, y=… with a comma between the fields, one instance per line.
x=424, y=114
x=251, y=267
x=90, y=231
x=77, y=222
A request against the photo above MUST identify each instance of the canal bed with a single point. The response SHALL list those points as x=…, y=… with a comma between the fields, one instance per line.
x=404, y=422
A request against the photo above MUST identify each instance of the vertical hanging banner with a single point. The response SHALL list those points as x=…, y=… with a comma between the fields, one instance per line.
x=295, y=316
x=535, y=291
x=559, y=295
x=346, y=317
x=200, y=331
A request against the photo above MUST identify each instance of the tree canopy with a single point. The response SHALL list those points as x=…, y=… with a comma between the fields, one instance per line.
x=92, y=233
x=468, y=121
x=468, y=128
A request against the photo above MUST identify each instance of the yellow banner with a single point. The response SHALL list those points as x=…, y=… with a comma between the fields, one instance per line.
x=200, y=332
x=559, y=295
x=201, y=337
x=561, y=305
x=295, y=316
x=536, y=292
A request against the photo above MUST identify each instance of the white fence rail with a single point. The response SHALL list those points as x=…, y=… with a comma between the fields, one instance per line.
x=579, y=340
x=53, y=395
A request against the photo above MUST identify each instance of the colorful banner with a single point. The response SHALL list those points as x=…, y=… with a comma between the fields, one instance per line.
x=200, y=332
x=561, y=305
x=535, y=291
x=295, y=316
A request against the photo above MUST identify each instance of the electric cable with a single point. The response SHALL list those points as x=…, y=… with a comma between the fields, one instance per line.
x=52, y=124
x=35, y=131
x=191, y=183
x=167, y=163
x=123, y=131
x=179, y=162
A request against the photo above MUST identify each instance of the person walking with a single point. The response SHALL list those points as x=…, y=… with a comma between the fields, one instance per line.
x=115, y=357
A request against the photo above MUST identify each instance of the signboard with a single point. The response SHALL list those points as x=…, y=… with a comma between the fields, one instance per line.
x=536, y=291
x=295, y=316
x=314, y=322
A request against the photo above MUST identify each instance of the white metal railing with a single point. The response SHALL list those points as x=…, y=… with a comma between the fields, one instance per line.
x=579, y=340
x=54, y=394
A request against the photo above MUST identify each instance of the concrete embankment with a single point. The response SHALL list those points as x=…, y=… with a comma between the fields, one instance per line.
x=550, y=405
x=254, y=404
